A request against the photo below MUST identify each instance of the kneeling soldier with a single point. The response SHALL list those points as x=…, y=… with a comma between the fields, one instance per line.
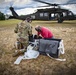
x=23, y=30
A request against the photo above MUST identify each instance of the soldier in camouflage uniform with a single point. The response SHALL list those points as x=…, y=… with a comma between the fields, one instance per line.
x=23, y=30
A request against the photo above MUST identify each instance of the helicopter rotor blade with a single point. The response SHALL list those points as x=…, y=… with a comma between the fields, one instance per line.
x=46, y=3
x=49, y=4
x=67, y=4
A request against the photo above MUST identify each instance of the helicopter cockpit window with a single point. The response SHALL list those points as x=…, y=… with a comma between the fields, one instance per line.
x=41, y=15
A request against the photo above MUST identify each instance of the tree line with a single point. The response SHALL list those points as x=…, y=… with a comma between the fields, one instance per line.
x=2, y=16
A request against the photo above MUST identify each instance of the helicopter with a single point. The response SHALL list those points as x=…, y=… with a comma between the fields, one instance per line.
x=58, y=13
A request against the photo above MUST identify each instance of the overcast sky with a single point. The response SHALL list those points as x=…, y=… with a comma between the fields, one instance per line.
x=29, y=6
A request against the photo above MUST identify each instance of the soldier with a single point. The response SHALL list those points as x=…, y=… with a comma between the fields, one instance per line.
x=23, y=30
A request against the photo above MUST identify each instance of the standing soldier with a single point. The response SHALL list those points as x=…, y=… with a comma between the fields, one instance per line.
x=23, y=30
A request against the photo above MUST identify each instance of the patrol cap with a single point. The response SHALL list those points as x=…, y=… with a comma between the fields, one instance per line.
x=28, y=19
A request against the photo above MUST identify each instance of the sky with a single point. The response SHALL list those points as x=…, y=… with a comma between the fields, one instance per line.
x=23, y=7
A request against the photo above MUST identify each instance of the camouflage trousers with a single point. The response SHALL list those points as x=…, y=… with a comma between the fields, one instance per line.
x=24, y=42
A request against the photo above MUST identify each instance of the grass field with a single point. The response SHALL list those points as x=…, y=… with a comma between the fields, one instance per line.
x=43, y=65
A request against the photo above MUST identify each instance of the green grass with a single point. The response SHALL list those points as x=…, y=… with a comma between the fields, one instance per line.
x=13, y=22
x=10, y=22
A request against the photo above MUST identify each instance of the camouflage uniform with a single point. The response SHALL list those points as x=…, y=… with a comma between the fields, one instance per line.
x=23, y=31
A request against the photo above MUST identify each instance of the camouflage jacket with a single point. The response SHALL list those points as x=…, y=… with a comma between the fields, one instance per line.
x=23, y=29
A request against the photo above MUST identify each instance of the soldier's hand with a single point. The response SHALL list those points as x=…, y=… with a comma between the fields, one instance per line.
x=15, y=31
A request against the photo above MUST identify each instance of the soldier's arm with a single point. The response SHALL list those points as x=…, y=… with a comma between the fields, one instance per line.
x=16, y=29
x=29, y=28
x=30, y=31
